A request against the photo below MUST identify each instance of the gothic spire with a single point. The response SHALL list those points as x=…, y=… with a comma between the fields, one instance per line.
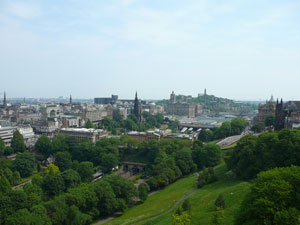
x=4, y=101
x=70, y=99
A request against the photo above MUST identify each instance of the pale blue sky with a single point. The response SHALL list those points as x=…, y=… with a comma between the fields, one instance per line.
x=239, y=49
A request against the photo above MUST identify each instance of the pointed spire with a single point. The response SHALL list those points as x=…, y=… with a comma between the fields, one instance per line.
x=4, y=100
x=281, y=101
x=70, y=99
x=136, y=95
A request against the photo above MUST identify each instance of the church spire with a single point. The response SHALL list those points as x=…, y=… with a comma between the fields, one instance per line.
x=4, y=101
x=70, y=99
x=137, y=108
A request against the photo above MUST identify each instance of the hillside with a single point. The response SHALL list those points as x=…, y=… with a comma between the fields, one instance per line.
x=155, y=210
x=213, y=103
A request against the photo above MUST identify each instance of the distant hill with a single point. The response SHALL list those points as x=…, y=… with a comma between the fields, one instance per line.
x=213, y=103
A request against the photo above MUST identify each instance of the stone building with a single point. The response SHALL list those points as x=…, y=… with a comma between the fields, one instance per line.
x=181, y=109
x=287, y=115
x=81, y=134
x=266, y=110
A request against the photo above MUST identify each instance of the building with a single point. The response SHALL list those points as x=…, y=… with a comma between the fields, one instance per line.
x=29, y=137
x=287, y=115
x=6, y=134
x=81, y=134
x=181, y=109
x=149, y=135
x=96, y=114
x=104, y=101
x=265, y=110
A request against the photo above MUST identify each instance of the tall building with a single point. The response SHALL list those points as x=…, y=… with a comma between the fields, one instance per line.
x=137, y=108
x=279, y=116
x=70, y=99
x=173, y=97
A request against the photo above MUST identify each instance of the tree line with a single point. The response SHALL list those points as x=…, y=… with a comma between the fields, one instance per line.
x=272, y=159
x=235, y=127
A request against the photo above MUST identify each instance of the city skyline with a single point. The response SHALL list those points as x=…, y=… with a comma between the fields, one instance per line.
x=242, y=50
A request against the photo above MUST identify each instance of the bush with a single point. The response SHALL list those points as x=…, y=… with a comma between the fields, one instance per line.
x=220, y=202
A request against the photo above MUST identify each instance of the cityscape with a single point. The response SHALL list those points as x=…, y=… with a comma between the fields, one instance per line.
x=137, y=112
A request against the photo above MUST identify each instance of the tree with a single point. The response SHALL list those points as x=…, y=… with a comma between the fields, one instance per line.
x=273, y=198
x=206, y=135
x=107, y=202
x=238, y=125
x=143, y=191
x=4, y=184
x=269, y=120
x=122, y=188
x=53, y=184
x=183, y=219
x=2, y=147
x=16, y=177
x=9, y=175
x=52, y=169
x=86, y=171
x=20, y=217
x=71, y=178
x=59, y=144
x=24, y=163
x=185, y=161
x=44, y=146
x=186, y=205
x=89, y=124
x=258, y=127
x=17, y=142
x=109, y=161
x=220, y=202
x=152, y=182
x=8, y=150
x=218, y=216
x=39, y=213
x=63, y=160
x=207, y=156
x=243, y=161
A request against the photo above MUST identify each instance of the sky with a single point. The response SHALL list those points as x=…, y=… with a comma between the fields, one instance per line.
x=238, y=49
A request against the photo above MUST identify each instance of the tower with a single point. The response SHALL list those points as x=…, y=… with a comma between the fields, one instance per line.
x=70, y=99
x=173, y=97
x=137, y=108
x=279, y=116
x=4, y=101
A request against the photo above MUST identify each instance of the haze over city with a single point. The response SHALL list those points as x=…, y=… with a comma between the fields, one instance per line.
x=245, y=50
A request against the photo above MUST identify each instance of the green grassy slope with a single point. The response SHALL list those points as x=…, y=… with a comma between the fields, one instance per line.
x=158, y=203
x=202, y=201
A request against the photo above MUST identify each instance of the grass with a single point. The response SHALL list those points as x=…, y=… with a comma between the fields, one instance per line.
x=229, y=146
x=202, y=201
x=157, y=203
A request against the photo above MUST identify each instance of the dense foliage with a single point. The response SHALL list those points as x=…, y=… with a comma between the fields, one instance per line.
x=131, y=123
x=269, y=150
x=235, y=127
x=274, y=199
x=62, y=193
